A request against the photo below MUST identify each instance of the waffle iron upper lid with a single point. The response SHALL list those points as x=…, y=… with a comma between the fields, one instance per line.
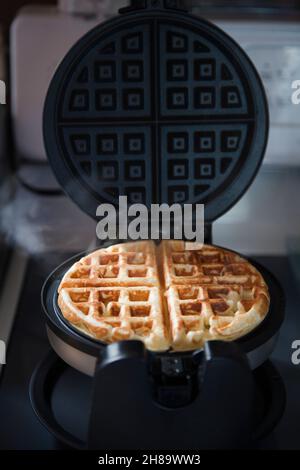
x=159, y=106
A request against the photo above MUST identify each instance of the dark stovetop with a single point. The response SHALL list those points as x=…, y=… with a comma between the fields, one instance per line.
x=19, y=427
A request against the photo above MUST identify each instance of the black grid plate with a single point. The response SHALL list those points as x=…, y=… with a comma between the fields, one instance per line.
x=159, y=106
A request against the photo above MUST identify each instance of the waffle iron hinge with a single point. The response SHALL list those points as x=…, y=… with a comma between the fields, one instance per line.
x=153, y=5
x=175, y=380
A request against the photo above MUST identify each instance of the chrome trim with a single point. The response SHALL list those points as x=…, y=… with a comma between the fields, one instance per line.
x=75, y=358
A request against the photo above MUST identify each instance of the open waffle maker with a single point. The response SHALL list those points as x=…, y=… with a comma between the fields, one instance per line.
x=161, y=107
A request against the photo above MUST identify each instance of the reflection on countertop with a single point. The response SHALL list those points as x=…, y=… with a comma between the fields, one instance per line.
x=39, y=223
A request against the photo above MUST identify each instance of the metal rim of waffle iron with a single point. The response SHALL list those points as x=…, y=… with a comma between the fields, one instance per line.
x=81, y=351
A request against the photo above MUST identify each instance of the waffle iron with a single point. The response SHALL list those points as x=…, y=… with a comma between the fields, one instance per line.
x=164, y=108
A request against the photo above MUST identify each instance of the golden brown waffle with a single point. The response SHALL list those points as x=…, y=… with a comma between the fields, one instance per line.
x=115, y=313
x=224, y=312
x=114, y=294
x=210, y=265
x=210, y=293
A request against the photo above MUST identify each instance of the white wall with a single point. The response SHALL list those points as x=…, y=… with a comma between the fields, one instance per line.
x=267, y=218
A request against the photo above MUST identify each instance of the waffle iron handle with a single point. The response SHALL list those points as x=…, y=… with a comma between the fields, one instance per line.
x=51, y=368
x=125, y=412
x=120, y=388
x=227, y=385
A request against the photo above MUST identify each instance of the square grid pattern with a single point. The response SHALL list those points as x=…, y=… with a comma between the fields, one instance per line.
x=208, y=266
x=197, y=309
x=114, y=294
x=206, y=290
x=114, y=268
x=193, y=81
x=138, y=150
x=212, y=293
x=116, y=158
x=112, y=79
x=198, y=158
x=208, y=301
x=131, y=309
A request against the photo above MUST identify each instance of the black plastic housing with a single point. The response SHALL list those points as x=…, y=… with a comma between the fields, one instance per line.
x=225, y=414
